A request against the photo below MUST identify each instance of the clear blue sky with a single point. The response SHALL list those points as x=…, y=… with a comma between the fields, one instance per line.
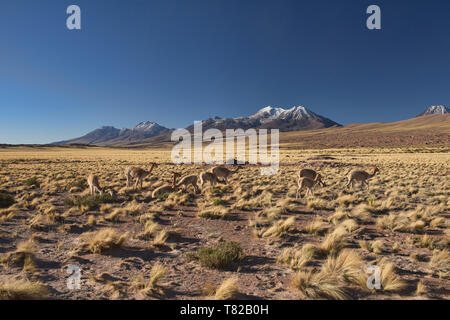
x=174, y=62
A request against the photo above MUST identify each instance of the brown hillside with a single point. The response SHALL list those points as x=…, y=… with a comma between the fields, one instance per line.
x=426, y=130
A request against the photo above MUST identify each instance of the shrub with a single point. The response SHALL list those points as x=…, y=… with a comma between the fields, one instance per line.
x=33, y=181
x=216, y=201
x=220, y=256
x=6, y=200
x=91, y=202
x=78, y=183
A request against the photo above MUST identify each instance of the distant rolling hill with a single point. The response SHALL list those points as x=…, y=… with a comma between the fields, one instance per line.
x=428, y=130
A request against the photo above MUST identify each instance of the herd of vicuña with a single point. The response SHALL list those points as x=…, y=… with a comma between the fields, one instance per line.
x=307, y=179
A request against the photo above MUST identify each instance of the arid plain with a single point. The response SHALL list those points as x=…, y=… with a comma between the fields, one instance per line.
x=248, y=239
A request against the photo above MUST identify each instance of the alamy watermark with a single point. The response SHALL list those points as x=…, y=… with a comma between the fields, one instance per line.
x=374, y=280
x=374, y=20
x=74, y=280
x=73, y=22
x=191, y=148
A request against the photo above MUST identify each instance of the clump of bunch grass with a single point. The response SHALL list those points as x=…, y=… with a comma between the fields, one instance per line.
x=160, y=238
x=376, y=247
x=277, y=230
x=42, y=222
x=316, y=227
x=318, y=286
x=390, y=281
x=214, y=212
x=221, y=256
x=23, y=257
x=334, y=242
x=228, y=290
x=22, y=290
x=421, y=289
x=332, y=281
x=297, y=258
x=425, y=241
x=317, y=204
x=151, y=286
x=102, y=240
x=347, y=199
x=332, y=245
x=440, y=261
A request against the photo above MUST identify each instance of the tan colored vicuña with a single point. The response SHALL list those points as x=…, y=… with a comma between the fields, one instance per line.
x=137, y=173
x=224, y=173
x=361, y=176
x=308, y=184
x=307, y=173
x=189, y=180
x=208, y=177
x=167, y=188
x=94, y=185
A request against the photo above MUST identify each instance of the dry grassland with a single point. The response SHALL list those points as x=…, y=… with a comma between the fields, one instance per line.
x=248, y=239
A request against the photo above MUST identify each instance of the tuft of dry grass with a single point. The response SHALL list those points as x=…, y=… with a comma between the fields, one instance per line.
x=278, y=229
x=347, y=199
x=150, y=287
x=214, y=212
x=228, y=290
x=102, y=240
x=334, y=242
x=160, y=239
x=421, y=289
x=377, y=246
x=334, y=278
x=23, y=290
x=339, y=215
x=297, y=258
x=361, y=213
x=440, y=261
x=350, y=225
x=390, y=281
x=318, y=286
x=23, y=257
x=318, y=204
x=316, y=227
x=347, y=267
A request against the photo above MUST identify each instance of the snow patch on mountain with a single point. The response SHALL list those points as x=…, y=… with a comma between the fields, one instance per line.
x=146, y=126
x=440, y=109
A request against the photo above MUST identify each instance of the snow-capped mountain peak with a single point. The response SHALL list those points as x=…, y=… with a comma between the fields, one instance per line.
x=298, y=113
x=440, y=109
x=267, y=113
x=294, y=113
x=145, y=126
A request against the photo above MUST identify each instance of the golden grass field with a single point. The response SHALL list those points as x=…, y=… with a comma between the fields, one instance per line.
x=249, y=239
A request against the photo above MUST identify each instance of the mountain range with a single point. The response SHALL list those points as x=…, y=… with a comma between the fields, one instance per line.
x=294, y=119
x=108, y=135
x=297, y=118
